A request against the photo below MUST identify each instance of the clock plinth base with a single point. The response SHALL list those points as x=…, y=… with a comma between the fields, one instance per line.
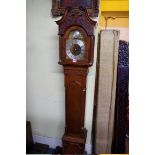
x=73, y=144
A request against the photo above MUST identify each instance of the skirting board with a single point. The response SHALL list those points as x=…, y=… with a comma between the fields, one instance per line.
x=54, y=142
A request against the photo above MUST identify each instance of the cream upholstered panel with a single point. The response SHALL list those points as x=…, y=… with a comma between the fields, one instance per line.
x=109, y=43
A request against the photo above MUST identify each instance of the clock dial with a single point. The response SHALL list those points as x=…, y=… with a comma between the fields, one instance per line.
x=75, y=46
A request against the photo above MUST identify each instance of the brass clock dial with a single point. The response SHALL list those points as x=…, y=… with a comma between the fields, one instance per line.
x=75, y=49
x=75, y=46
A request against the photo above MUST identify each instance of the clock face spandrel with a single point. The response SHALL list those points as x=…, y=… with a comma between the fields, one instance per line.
x=75, y=46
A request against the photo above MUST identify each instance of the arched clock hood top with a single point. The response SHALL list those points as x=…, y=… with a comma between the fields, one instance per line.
x=77, y=17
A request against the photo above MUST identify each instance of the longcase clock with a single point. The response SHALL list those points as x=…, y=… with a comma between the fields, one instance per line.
x=76, y=52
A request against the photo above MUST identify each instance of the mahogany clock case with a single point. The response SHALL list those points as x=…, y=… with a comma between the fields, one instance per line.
x=75, y=74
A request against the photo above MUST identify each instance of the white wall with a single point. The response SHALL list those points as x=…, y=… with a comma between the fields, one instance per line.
x=45, y=78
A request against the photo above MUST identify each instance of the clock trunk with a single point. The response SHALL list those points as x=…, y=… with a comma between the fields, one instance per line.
x=75, y=93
